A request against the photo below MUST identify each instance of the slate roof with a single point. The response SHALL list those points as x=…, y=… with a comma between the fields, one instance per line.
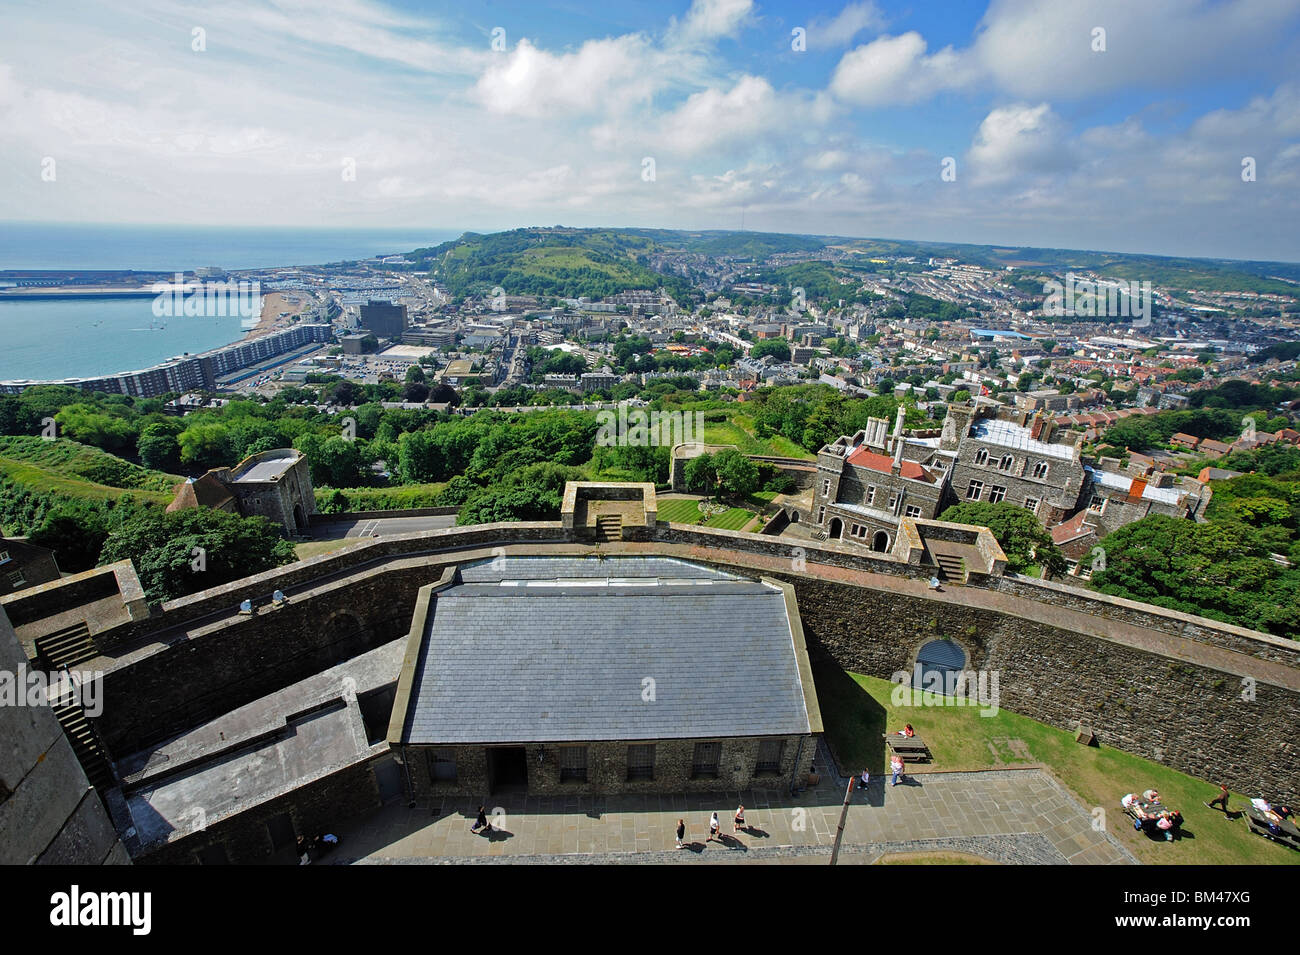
x=542, y=649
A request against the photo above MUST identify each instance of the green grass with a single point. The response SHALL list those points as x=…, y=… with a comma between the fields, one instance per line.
x=857, y=709
x=85, y=463
x=686, y=511
x=52, y=481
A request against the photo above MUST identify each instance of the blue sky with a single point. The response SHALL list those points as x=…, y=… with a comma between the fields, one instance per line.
x=1100, y=124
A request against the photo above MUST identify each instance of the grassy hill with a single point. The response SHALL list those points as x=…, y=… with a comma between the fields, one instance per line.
x=78, y=470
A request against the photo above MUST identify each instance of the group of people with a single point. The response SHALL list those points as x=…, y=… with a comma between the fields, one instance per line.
x=715, y=827
x=1149, y=812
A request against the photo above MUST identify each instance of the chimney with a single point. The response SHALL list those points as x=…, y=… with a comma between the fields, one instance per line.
x=1137, y=487
x=898, y=421
x=1036, y=429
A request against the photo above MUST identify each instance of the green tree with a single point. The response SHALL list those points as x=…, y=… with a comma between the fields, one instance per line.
x=1022, y=538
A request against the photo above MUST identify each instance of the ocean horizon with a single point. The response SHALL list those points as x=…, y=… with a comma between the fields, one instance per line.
x=166, y=248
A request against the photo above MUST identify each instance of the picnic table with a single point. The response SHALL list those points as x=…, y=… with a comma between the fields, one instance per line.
x=911, y=748
x=1272, y=826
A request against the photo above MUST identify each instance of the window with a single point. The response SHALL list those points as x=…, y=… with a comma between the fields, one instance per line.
x=871, y=495
x=442, y=765
x=821, y=514
x=769, y=757
x=975, y=490
x=1098, y=503
x=1006, y=463
x=826, y=487
x=912, y=511
x=893, y=503
x=982, y=456
x=997, y=493
x=4, y=556
x=1031, y=504
x=641, y=761
x=573, y=764
x=704, y=763
x=858, y=531
x=1040, y=470
x=16, y=579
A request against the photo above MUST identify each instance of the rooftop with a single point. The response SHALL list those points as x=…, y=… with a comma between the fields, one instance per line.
x=525, y=649
x=269, y=466
x=1007, y=434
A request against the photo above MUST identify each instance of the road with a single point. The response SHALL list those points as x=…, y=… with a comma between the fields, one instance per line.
x=371, y=527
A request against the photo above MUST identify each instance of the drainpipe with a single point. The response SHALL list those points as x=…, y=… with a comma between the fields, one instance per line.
x=795, y=772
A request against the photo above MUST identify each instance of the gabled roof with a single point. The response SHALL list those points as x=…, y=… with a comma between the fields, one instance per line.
x=884, y=464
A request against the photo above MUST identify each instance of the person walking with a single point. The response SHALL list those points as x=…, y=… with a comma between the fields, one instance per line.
x=481, y=823
x=714, y=827
x=740, y=820
x=681, y=832
x=1220, y=800
x=896, y=764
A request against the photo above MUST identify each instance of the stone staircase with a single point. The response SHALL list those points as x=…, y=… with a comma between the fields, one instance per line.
x=609, y=528
x=951, y=568
x=67, y=647
x=84, y=742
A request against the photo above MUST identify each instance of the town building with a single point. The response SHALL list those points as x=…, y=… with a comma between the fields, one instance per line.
x=866, y=484
x=24, y=564
x=383, y=318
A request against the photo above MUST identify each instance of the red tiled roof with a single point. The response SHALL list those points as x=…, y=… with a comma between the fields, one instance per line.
x=1072, y=529
x=884, y=464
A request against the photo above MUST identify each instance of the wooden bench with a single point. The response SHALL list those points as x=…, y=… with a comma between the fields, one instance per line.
x=911, y=748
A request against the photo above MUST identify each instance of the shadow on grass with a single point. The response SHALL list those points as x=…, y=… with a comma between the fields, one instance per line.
x=854, y=722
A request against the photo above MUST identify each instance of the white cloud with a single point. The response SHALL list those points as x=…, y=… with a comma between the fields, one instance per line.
x=841, y=30
x=709, y=20
x=604, y=74
x=895, y=70
x=1017, y=141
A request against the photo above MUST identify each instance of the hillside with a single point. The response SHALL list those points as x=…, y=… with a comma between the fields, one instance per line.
x=568, y=263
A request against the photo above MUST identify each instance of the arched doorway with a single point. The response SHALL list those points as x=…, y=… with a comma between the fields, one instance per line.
x=300, y=519
x=880, y=541
x=836, y=529
x=937, y=665
x=794, y=517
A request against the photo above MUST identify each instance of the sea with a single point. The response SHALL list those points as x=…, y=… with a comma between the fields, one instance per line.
x=76, y=339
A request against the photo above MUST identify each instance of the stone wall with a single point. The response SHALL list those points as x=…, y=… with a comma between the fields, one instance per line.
x=315, y=809
x=607, y=769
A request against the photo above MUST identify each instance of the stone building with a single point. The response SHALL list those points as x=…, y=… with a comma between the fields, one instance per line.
x=866, y=484
x=273, y=484
x=23, y=564
x=1015, y=457
x=555, y=675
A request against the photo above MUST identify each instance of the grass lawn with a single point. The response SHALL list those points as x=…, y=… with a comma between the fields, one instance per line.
x=856, y=709
x=45, y=479
x=686, y=511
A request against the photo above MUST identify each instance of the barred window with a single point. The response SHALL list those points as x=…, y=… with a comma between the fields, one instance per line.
x=573, y=764
x=769, y=757
x=442, y=765
x=1031, y=503
x=641, y=761
x=704, y=763
x=912, y=511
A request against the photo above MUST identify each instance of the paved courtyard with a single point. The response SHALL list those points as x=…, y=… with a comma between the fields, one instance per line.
x=1009, y=816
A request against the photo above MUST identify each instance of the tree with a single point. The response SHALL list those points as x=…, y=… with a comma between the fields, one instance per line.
x=961, y=394
x=775, y=347
x=701, y=474
x=163, y=546
x=738, y=474
x=1022, y=538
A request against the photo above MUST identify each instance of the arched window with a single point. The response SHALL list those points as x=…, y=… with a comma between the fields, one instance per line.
x=1006, y=463
x=982, y=456
x=880, y=542
x=1040, y=470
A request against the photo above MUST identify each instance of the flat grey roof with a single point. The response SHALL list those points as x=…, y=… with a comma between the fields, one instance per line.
x=267, y=468
x=540, y=649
